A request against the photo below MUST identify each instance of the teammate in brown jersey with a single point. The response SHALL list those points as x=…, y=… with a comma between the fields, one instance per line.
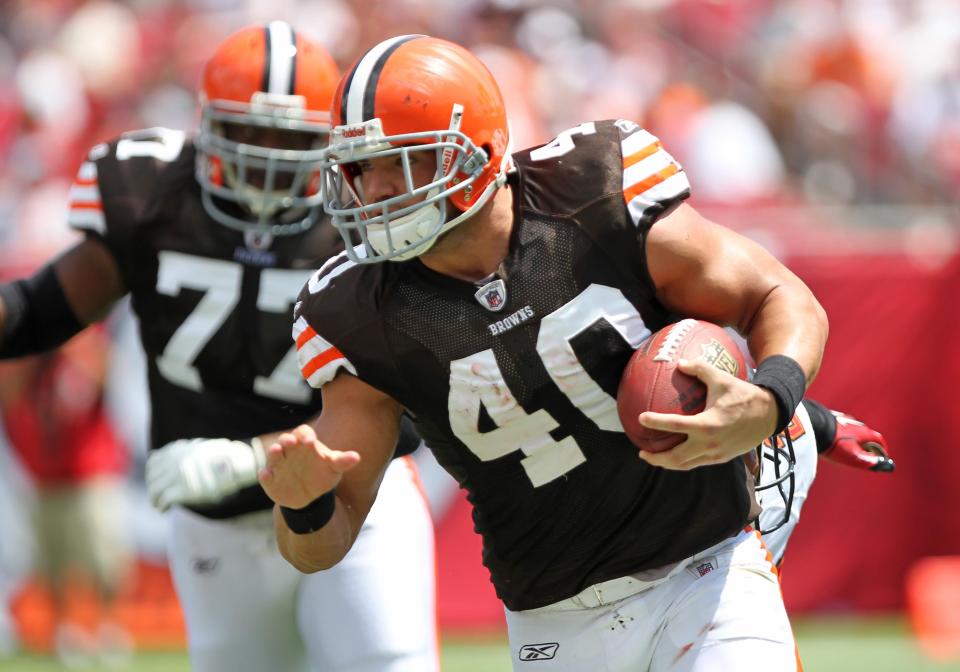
x=212, y=240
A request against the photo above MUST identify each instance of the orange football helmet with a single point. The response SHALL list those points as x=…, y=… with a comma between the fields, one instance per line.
x=408, y=94
x=265, y=100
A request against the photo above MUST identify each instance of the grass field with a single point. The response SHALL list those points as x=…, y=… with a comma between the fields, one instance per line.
x=826, y=645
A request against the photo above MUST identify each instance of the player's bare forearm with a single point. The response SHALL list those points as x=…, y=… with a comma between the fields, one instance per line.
x=345, y=451
x=706, y=271
x=321, y=549
x=789, y=321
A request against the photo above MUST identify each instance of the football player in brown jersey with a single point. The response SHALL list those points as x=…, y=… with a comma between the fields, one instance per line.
x=514, y=289
x=213, y=238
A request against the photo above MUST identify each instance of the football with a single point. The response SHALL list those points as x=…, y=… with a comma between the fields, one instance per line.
x=652, y=382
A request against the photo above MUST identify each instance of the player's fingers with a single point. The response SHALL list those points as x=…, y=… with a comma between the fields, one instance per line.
x=288, y=440
x=275, y=452
x=158, y=475
x=155, y=497
x=704, y=424
x=884, y=465
x=156, y=464
x=876, y=457
x=265, y=476
x=706, y=372
x=162, y=502
x=667, y=459
x=150, y=471
x=305, y=434
x=683, y=457
x=701, y=460
x=159, y=483
x=876, y=443
x=668, y=422
x=341, y=461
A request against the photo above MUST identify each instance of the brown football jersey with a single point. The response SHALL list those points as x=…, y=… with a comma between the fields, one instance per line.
x=213, y=304
x=512, y=383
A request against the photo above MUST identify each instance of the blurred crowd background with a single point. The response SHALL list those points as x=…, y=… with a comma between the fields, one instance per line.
x=825, y=101
x=821, y=127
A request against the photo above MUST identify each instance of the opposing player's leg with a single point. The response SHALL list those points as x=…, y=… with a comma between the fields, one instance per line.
x=774, y=504
x=237, y=593
x=375, y=611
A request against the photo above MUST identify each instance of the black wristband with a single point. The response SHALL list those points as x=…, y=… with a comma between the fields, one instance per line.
x=786, y=381
x=313, y=516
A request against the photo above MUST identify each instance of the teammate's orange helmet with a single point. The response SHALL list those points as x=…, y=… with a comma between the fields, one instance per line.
x=407, y=94
x=265, y=100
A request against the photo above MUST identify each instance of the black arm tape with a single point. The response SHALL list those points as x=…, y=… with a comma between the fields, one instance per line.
x=313, y=516
x=38, y=316
x=786, y=381
x=823, y=422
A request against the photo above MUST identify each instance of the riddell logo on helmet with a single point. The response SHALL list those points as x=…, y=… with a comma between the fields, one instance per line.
x=353, y=132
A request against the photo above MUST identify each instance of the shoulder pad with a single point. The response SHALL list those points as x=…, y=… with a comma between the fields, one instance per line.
x=653, y=181
x=318, y=358
x=130, y=167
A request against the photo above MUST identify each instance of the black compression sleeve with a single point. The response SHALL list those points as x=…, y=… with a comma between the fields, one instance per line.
x=824, y=424
x=38, y=316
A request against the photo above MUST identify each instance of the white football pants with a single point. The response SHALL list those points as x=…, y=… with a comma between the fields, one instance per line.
x=719, y=610
x=247, y=609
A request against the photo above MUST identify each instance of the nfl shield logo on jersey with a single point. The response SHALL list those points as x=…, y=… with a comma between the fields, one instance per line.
x=493, y=295
x=705, y=567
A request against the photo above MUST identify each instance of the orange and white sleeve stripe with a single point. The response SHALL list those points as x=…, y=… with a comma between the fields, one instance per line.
x=319, y=359
x=86, y=208
x=651, y=177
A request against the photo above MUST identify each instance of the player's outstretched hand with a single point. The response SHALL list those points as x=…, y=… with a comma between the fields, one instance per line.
x=858, y=445
x=737, y=417
x=300, y=468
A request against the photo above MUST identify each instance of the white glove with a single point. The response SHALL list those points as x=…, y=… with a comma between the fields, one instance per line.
x=201, y=471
